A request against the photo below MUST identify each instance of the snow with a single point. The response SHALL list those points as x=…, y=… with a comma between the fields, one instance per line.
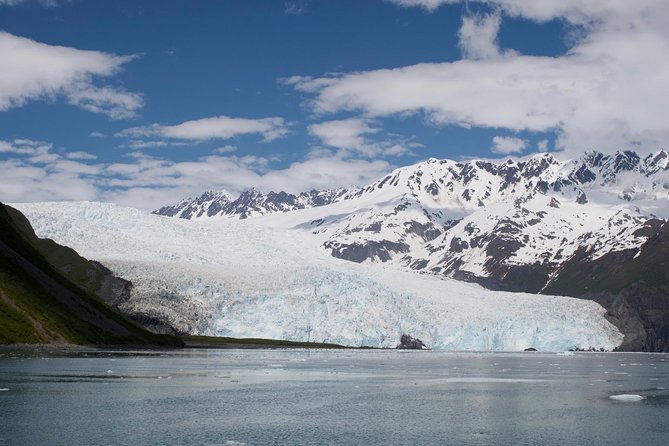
x=234, y=278
x=546, y=234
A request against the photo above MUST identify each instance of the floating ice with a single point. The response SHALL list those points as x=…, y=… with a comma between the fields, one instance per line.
x=626, y=397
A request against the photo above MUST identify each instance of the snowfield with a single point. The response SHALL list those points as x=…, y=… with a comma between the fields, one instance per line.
x=226, y=277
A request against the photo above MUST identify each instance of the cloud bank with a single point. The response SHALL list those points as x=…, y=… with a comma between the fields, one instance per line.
x=31, y=70
x=38, y=172
x=607, y=92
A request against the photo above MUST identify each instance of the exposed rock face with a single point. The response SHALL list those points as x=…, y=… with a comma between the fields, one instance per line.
x=250, y=203
x=633, y=285
x=409, y=343
x=357, y=252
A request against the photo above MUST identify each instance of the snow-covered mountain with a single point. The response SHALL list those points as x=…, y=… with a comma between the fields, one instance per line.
x=477, y=220
x=250, y=203
x=244, y=279
x=271, y=265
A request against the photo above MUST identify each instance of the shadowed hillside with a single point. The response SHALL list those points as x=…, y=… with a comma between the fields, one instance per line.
x=47, y=294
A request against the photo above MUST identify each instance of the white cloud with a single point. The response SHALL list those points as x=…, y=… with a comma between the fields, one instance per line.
x=97, y=135
x=352, y=136
x=49, y=3
x=80, y=156
x=115, y=102
x=609, y=91
x=25, y=182
x=38, y=174
x=25, y=147
x=345, y=134
x=296, y=8
x=507, y=145
x=478, y=36
x=225, y=149
x=149, y=183
x=428, y=5
x=31, y=70
x=139, y=144
x=219, y=127
x=542, y=145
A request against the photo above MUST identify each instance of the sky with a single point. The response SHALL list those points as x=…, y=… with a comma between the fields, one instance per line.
x=143, y=103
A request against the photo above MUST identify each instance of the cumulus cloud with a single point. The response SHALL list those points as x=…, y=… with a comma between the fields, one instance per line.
x=30, y=70
x=607, y=92
x=139, y=144
x=428, y=5
x=36, y=173
x=507, y=145
x=80, y=156
x=352, y=136
x=478, y=36
x=225, y=149
x=149, y=182
x=218, y=127
x=348, y=134
x=296, y=8
x=542, y=145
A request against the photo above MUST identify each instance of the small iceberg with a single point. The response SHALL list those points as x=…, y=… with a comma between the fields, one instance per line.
x=568, y=353
x=626, y=397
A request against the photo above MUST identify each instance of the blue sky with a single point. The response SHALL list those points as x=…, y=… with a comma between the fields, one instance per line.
x=144, y=102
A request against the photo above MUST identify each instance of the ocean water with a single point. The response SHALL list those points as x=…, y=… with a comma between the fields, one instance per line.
x=350, y=397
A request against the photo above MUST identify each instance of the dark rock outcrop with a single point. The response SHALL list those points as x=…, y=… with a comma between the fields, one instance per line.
x=410, y=343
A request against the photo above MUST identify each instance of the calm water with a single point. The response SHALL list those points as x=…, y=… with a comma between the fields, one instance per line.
x=260, y=397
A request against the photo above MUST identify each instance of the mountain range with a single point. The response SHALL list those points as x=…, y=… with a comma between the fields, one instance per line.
x=365, y=265
x=515, y=225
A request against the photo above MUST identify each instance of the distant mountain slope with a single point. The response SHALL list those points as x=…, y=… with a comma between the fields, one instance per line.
x=633, y=285
x=250, y=203
x=39, y=304
x=516, y=225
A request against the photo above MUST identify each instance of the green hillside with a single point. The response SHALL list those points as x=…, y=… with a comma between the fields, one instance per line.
x=47, y=294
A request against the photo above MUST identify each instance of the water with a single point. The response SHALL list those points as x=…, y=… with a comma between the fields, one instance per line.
x=259, y=397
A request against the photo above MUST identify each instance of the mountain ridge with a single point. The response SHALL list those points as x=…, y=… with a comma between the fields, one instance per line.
x=512, y=225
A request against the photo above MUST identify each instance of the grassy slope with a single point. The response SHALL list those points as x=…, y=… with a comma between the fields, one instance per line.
x=38, y=304
x=66, y=260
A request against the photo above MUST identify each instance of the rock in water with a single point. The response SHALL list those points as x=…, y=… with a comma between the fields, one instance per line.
x=409, y=343
x=530, y=349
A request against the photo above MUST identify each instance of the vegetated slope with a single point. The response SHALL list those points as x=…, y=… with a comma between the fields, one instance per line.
x=632, y=284
x=38, y=304
x=226, y=277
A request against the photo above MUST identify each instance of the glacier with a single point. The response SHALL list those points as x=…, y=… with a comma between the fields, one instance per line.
x=225, y=277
